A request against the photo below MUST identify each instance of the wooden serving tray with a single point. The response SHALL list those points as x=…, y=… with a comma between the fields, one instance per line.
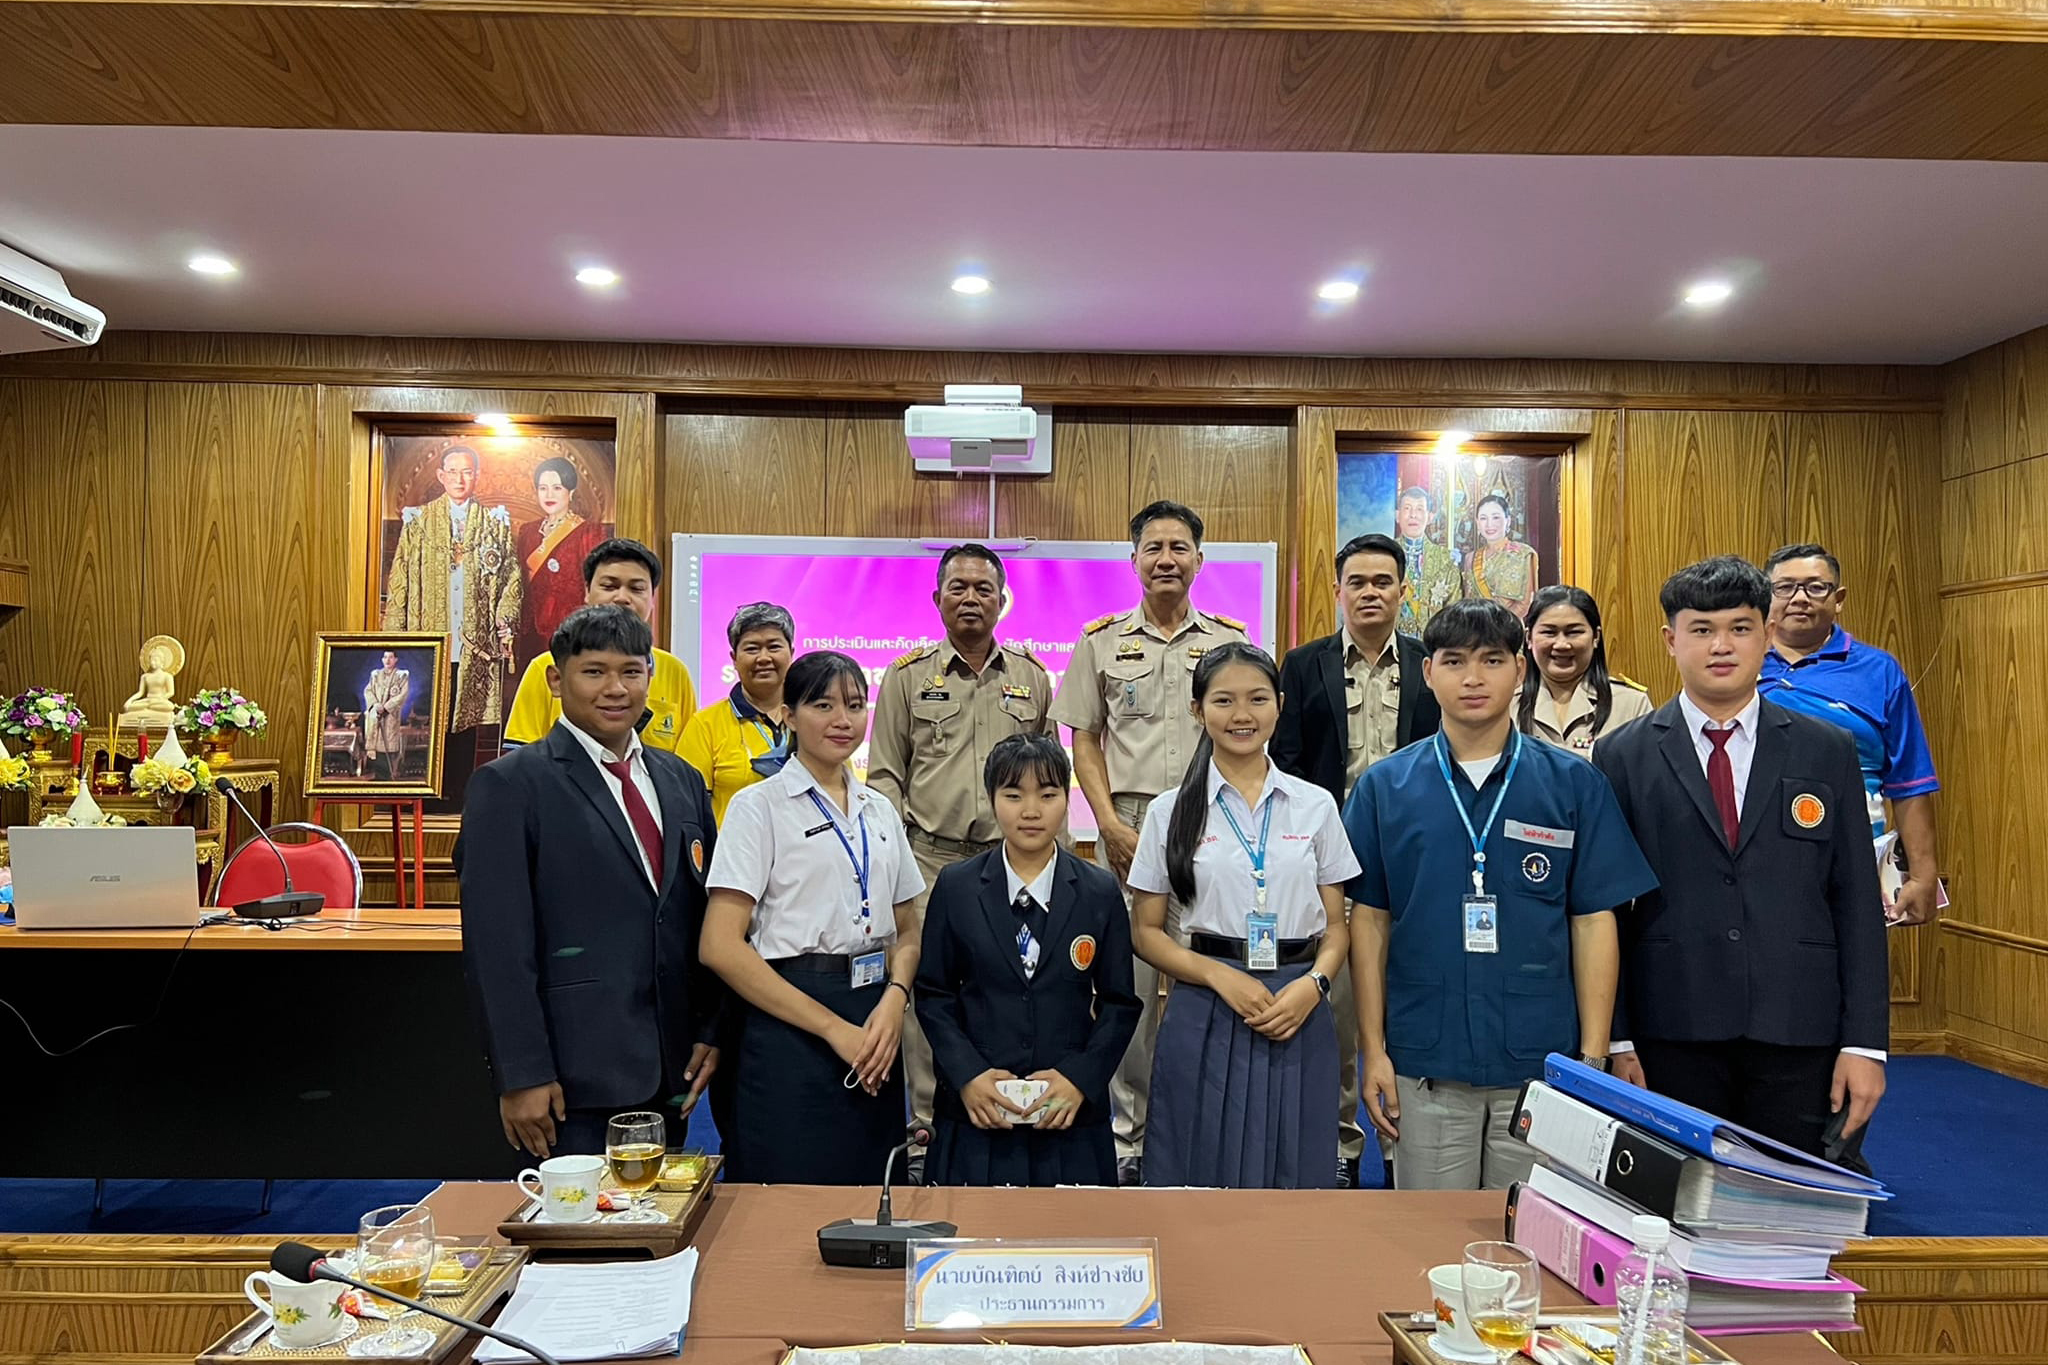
x=605, y=1232
x=1411, y=1345
x=490, y=1284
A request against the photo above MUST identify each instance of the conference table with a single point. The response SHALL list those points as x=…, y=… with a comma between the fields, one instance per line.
x=340, y=1047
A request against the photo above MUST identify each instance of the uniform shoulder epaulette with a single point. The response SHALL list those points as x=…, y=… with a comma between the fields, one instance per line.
x=1021, y=651
x=1100, y=623
x=1623, y=680
x=921, y=652
x=1230, y=621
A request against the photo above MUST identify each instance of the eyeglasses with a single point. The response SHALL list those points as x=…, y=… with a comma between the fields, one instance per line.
x=1816, y=591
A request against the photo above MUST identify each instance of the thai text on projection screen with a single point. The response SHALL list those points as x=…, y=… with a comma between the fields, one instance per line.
x=872, y=599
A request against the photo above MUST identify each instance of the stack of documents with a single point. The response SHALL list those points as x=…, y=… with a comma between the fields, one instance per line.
x=598, y=1312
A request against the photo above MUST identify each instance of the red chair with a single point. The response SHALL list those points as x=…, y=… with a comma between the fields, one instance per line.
x=323, y=863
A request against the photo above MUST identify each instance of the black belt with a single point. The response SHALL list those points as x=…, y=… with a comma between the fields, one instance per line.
x=952, y=848
x=1292, y=950
x=816, y=962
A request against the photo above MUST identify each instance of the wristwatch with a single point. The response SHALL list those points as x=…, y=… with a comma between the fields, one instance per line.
x=1604, y=1063
x=1322, y=983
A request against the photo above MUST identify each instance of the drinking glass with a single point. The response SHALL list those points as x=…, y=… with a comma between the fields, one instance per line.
x=395, y=1250
x=1503, y=1294
x=636, y=1145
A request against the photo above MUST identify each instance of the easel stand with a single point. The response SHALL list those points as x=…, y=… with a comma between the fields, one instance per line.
x=398, y=805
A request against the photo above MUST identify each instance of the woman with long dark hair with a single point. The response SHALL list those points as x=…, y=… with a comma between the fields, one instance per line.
x=813, y=923
x=1245, y=1069
x=1568, y=695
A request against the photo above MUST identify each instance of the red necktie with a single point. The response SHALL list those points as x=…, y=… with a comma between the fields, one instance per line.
x=641, y=817
x=1721, y=781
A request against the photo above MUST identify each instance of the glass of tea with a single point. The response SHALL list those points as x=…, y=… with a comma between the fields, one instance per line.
x=636, y=1145
x=1503, y=1294
x=395, y=1250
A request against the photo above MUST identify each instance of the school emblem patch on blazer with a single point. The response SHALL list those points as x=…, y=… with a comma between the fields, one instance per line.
x=1082, y=953
x=1808, y=810
x=697, y=854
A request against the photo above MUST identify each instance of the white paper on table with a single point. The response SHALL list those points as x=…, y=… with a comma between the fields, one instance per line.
x=598, y=1312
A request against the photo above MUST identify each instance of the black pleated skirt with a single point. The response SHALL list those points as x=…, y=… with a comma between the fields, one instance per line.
x=794, y=1120
x=962, y=1154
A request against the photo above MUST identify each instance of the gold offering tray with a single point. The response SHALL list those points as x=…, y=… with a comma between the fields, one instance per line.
x=1411, y=1342
x=491, y=1283
x=684, y=1209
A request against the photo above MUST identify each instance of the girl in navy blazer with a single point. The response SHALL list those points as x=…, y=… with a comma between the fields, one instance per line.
x=1025, y=975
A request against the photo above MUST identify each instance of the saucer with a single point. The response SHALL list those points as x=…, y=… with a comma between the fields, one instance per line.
x=350, y=1325
x=1443, y=1352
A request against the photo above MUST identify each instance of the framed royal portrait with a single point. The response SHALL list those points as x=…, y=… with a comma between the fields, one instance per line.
x=379, y=724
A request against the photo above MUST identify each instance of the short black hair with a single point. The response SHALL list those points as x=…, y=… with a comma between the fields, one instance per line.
x=1722, y=583
x=1416, y=490
x=1500, y=498
x=1374, y=544
x=1808, y=551
x=607, y=629
x=1024, y=755
x=811, y=676
x=621, y=550
x=972, y=550
x=1165, y=510
x=1473, y=623
x=561, y=469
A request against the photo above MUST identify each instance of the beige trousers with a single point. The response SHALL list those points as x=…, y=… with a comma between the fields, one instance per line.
x=1131, y=1088
x=1458, y=1137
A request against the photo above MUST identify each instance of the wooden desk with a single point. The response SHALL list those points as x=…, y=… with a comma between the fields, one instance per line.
x=340, y=1048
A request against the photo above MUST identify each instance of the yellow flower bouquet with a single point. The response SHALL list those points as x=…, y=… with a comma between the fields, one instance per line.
x=15, y=774
x=153, y=775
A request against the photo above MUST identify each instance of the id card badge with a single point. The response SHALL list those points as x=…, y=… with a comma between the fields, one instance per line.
x=869, y=968
x=1261, y=943
x=1482, y=926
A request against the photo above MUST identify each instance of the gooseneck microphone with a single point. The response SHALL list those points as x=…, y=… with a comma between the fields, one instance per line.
x=880, y=1243
x=287, y=904
x=297, y=1261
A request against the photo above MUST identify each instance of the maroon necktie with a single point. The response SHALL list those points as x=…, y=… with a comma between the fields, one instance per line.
x=1721, y=781
x=643, y=818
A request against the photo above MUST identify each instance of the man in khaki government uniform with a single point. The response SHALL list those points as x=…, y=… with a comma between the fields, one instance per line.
x=938, y=712
x=1126, y=694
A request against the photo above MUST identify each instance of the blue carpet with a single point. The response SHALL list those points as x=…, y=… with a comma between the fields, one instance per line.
x=1953, y=1141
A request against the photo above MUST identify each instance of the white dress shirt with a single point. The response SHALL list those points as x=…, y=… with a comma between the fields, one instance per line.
x=1040, y=888
x=1741, y=755
x=1306, y=849
x=778, y=848
x=642, y=779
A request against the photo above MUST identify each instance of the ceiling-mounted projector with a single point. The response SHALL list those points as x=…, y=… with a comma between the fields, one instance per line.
x=982, y=427
x=37, y=313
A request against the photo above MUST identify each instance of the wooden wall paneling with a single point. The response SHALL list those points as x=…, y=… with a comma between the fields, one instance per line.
x=1235, y=476
x=1599, y=527
x=1993, y=727
x=1982, y=1299
x=871, y=490
x=1994, y=525
x=1999, y=1000
x=1307, y=598
x=1973, y=413
x=73, y=452
x=744, y=472
x=1088, y=494
x=226, y=539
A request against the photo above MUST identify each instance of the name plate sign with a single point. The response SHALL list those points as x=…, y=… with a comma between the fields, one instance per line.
x=970, y=1284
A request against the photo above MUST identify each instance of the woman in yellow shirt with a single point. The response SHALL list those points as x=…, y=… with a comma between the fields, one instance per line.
x=745, y=738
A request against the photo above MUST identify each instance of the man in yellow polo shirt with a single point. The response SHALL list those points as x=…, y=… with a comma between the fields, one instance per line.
x=621, y=573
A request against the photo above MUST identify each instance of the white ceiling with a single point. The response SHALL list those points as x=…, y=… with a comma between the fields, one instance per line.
x=838, y=244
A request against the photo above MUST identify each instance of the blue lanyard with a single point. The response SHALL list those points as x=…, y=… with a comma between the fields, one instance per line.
x=1479, y=838
x=1258, y=855
x=860, y=865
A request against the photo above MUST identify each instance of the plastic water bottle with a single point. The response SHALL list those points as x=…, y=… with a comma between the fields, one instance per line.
x=1650, y=1291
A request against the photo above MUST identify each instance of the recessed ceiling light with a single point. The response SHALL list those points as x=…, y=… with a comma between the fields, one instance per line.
x=1451, y=442
x=597, y=276
x=1709, y=293
x=970, y=284
x=1337, y=291
x=207, y=263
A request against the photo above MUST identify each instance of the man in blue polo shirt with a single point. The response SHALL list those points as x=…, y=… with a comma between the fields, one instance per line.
x=1483, y=936
x=1816, y=667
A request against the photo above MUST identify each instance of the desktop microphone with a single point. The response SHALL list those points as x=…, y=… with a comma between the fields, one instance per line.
x=299, y=1262
x=287, y=904
x=879, y=1243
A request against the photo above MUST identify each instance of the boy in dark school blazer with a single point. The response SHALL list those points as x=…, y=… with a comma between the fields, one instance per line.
x=1026, y=975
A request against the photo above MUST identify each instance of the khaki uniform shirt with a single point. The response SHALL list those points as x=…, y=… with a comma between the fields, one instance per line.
x=1130, y=682
x=1573, y=727
x=935, y=722
x=1372, y=706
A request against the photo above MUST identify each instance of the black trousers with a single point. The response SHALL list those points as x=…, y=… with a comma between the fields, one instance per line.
x=582, y=1132
x=1779, y=1091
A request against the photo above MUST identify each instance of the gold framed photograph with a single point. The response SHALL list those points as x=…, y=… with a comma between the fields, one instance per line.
x=379, y=724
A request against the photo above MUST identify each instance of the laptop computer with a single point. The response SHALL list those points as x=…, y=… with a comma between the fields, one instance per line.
x=141, y=877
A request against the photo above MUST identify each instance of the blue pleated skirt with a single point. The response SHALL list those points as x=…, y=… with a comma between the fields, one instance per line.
x=1231, y=1108
x=962, y=1154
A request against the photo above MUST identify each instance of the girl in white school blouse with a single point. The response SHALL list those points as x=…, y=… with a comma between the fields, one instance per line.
x=812, y=922
x=1244, y=1076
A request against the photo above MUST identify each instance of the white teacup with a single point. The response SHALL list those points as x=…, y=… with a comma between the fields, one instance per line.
x=301, y=1315
x=568, y=1187
x=1454, y=1335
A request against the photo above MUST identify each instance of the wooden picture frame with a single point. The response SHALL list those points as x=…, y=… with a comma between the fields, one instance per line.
x=350, y=753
